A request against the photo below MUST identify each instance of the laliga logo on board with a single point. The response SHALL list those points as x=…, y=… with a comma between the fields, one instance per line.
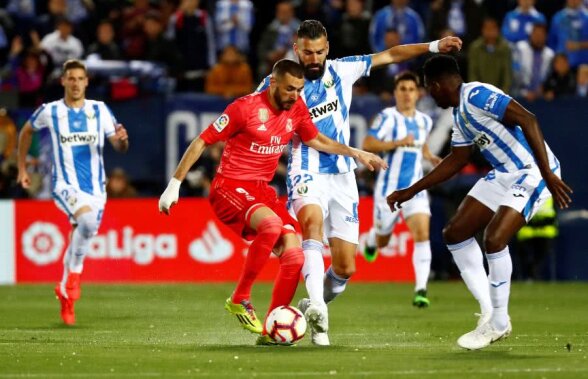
x=42, y=243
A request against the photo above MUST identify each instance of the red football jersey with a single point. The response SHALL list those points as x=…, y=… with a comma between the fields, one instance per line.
x=256, y=135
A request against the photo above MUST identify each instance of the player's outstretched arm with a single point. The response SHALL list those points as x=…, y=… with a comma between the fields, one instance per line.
x=169, y=197
x=327, y=145
x=120, y=139
x=402, y=53
x=25, y=139
x=374, y=145
x=457, y=158
x=516, y=114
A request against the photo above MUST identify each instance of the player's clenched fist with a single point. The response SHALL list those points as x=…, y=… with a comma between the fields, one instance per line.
x=396, y=198
x=169, y=197
x=449, y=44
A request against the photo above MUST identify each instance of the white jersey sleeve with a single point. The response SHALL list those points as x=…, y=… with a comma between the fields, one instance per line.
x=41, y=118
x=381, y=125
x=353, y=68
x=107, y=120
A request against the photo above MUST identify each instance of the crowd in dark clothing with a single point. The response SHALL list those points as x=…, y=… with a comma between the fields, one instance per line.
x=511, y=44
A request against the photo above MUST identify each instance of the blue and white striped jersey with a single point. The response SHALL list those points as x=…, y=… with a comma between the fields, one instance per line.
x=404, y=163
x=478, y=120
x=328, y=100
x=77, y=139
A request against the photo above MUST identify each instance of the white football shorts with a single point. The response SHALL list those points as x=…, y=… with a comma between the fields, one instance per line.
x=385, y=219
x=70, y=199
x=524, y=190
x=337, y=196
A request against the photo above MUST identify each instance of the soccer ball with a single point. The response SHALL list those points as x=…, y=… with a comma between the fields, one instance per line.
x=285, y=325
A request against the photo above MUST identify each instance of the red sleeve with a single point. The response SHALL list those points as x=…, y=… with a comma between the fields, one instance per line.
x=305, y=128
x=226, y=125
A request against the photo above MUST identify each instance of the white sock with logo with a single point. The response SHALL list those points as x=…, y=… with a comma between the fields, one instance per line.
x=421, y=261
x=334, y=285
x=313, y=269
x=468, y=258
x=500, y=267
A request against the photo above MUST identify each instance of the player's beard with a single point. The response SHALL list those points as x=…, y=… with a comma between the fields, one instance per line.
x=283, y=105
x=311, y=72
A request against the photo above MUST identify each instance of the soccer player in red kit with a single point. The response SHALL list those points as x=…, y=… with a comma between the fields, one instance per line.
x=257, y=129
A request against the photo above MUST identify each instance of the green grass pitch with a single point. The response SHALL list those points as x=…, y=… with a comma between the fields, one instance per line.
x=182, y=331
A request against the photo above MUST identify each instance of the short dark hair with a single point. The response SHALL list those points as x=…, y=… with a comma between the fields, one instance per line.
x=311, y=29
x=284, y=66
x=439, y=66
x=70, y=64
x=406, y=75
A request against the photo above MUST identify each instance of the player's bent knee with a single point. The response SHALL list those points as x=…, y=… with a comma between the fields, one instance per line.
x=451, y=235
x=345, y=271
x=493, y=243
x=271, y=225
x=87, y=224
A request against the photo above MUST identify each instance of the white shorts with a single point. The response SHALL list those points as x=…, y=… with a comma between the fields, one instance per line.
x=70, y=199
x=385, y=219
x=524, y=190
x=337, y=196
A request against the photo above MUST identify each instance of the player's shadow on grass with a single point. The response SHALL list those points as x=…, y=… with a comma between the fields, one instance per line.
x=302, y=348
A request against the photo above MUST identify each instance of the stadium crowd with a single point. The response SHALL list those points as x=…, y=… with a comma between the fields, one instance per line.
x=531, y=49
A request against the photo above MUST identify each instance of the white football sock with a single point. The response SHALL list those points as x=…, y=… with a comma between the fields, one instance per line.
x=500, y=267
x=334, y=285
x=371, y=238
x=313, y=269
x=421, y=261
x=468, y=258
x=80, y=240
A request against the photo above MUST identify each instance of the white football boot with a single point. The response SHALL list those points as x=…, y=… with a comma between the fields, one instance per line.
x=483, y=335
x=317, y=317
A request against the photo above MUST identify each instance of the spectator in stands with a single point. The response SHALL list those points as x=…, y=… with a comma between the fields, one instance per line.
x=276, y=40
x=532, y=64
x=489, y=58
x=231, y=77
x=61, y=44
x=159, y=48
x=79, y=11
x=8, y=136
x=381, y=80
x=133, y=36
x=119, y=186
x=464, y=17
x=518, y=23
x=561, y=81
x=105, y=47
x=56, y=10
x=193, y=32
x=22, y=13
x=569, y=33
x=352, y=34
x=6, y=27
x=397, y=16
x=30, y=79
x=312, y=10
x=233, y=20
x=582, y=81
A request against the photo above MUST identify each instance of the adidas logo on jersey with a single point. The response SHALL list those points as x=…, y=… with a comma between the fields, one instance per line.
x=321, y=111
x=76, y=139
x=262, y=128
